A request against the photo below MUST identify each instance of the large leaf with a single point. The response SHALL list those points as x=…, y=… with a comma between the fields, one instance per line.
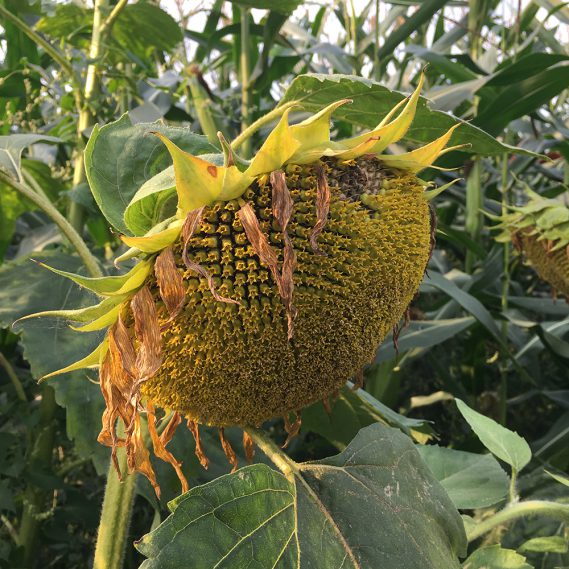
x=494, y=557
x=12, y=146
x=121, y=156
x=374, y=505
x=372, y=101
x=503, y=443
x=471, y=480
x=49, y=344
x=12, y=205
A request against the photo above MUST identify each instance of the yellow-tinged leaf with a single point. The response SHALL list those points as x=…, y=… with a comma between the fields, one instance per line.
x=315, y=130
x=152, y=242
x=431, y=194
x=109, y=286
x=276, y=150
x=103, y=321
x=234, y=184
x=81, y=314
x=384, y=134
x=198, y=182
x=92, y=360
x=421, y=158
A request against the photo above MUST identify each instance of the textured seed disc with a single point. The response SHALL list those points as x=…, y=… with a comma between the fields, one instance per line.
x=226, y=364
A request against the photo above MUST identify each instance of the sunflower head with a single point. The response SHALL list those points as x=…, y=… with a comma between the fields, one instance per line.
x=541, y=230
x=273, y=282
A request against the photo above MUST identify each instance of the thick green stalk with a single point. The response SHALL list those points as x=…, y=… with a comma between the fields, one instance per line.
x=40, y=460
x=517, y=511
x=115, y=517
x=202, y=107
x=279, y=458
x=65, y=227
x=473, y=207
x=505, y=291
x=245, y=77
x=101, y=29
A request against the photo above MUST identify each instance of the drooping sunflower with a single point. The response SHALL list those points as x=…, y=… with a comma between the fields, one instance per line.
x=541, y=230
x=273, y=283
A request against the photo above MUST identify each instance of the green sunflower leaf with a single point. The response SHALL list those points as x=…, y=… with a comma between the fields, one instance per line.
x=376, y=504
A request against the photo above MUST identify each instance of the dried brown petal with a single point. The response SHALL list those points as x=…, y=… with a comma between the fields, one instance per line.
x=160, y=442
x=194, y=429
x=322, y=208
x=395, y=335
x=188, y=229
x=123, y=342
x=147, y=330
x=248, y=447
x=170, y=282
x=292, y=429
x=257, y=238
x=282, y=210
x=228, y=450
x=138, y=457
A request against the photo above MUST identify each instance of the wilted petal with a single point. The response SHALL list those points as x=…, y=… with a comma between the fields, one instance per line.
x=170, y=282
x=292, y=429
x=160, y=442
x=322, y=208
x=194, y=429
x=248, y=447
x=228, y=450
x=147, y=330
x=257, y=238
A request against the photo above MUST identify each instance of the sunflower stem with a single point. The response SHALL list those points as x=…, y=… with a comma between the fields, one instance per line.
x=277, y=456
x=245, y=77
x=84, y=102
x=65, y=226
x=115, y=517
x=473, y=207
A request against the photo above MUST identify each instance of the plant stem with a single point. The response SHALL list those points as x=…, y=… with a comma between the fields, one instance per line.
x=55, y=54
x=505, y=291
x=101, y=29
x=18, y=387
x=66, y=228
x=40, y=460
x=202, y=105
x=473, y=206
x=513, y=493
x=520, y=510
x=254, y=127
x=245, y=74
x=115, y=517
x=280, y=459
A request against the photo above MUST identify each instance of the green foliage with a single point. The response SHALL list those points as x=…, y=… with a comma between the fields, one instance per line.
x=321, y=516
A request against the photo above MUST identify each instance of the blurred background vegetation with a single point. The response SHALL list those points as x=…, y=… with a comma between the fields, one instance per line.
x=484, y=327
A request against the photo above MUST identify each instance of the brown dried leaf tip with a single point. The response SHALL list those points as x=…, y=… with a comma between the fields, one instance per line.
x=322, y=208
x=188, y=229
x=194, y=429
x=228, y=450
x=248, y=447
x=282, y=211
x=293, y=428
x=170, y=282
x=133, y=357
